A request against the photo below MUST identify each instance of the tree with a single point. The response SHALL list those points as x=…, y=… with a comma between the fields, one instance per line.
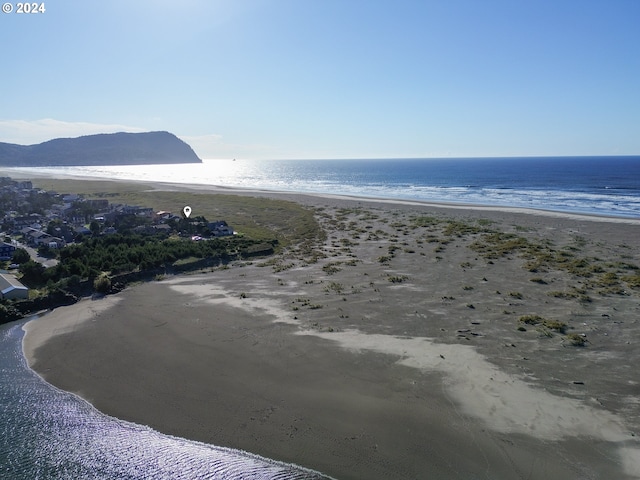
x=20, y=256
x=32, y=273
x=9, y=313
x=94, y=226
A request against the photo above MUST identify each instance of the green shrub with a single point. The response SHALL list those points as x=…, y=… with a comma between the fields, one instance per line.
x=555, y=325
x=576, y=340
x=335, y=287
x=331, y=268
x=531, y=319
x=538, y=320
x=102, y=284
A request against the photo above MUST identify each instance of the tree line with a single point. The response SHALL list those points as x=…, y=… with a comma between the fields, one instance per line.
x=118, y=254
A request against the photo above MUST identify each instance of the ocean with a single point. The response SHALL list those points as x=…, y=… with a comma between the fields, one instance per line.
x=46, y=433
x=587, y=185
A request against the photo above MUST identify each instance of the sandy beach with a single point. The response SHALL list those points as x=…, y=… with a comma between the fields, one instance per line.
x=416, y=341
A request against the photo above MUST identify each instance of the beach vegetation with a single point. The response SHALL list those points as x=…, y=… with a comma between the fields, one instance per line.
x=102, y=283
x=541, y=321
x=498, y=244
x=268, y=263
x=531, y=319
x=459, y=229
x=544, y=332
x=397, y=278
x=334, y=287
x=624, y=266
x=632, y=280
x=576, y=340
x=181, y=262
x=555, y=325
x=425, y=221
x=281, y=267
x=564, y=295
x=516, y=295
x=331, y=268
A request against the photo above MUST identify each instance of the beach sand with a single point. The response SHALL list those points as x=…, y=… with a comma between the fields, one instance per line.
x=391, y=350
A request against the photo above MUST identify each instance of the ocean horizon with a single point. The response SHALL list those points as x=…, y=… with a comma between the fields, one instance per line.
x=607, y=186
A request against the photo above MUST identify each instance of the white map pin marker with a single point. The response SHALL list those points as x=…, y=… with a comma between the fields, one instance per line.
x=187, y=211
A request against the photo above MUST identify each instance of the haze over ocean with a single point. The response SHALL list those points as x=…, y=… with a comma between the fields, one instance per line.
x=592, y=185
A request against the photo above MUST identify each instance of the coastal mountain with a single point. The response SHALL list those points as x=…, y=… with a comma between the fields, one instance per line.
x=102, y=149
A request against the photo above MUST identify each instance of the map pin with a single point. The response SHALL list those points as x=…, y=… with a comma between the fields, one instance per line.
x=187, y=211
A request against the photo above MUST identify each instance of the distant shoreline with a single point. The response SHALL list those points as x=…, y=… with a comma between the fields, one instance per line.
x=296, y=196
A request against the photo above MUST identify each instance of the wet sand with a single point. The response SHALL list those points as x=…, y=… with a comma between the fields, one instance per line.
x=390, y=351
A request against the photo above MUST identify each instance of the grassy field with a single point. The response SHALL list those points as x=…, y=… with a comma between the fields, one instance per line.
x=258, y=218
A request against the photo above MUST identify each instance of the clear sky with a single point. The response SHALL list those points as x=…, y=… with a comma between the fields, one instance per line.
x=330, y=78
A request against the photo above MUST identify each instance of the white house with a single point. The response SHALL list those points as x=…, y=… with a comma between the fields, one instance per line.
x=11, y=288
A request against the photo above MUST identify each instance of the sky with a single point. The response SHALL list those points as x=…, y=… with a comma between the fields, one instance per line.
x=280, y=79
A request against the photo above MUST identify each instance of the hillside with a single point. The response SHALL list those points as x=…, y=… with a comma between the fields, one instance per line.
x=102, y=149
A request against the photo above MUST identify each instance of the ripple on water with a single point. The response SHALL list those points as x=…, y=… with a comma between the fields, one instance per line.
x=49, y=433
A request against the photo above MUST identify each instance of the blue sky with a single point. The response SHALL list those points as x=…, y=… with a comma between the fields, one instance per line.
x=330, y=78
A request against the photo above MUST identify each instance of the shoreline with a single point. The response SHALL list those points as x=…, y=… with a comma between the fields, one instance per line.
x=206, y=188
x=344, y=371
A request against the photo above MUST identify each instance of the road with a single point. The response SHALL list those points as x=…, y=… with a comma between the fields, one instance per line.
x=33, y=253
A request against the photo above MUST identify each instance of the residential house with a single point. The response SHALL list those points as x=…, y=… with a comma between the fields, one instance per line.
x=82, y=230
x=35, y=238
x=220, y=228
x=6, y=251
x=11, y=288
